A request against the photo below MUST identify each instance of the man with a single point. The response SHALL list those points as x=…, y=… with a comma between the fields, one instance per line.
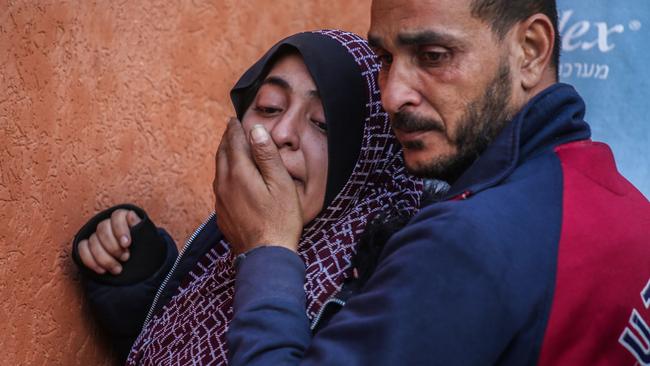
x=538, y=255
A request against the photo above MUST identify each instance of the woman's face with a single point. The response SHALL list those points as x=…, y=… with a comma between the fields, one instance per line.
x=289, y=107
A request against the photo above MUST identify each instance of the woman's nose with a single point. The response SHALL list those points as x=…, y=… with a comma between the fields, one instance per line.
x=286, y=131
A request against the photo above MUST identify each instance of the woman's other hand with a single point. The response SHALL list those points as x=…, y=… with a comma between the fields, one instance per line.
x=109, y=245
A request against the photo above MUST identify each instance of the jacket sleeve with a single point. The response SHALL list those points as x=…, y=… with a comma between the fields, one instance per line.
x=433, y=300
x=120, y=303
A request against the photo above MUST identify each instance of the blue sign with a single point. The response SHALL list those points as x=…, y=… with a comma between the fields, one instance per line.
x=606, y=56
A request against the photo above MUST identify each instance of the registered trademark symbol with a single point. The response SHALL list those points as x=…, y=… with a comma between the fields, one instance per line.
x=635, y=25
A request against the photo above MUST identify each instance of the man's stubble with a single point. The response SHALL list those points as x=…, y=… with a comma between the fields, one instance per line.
x=483, y=120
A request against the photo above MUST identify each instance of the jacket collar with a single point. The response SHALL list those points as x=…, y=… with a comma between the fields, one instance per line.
x=553, y=117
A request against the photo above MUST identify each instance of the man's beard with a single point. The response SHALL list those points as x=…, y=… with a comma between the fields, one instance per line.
x=482, y=121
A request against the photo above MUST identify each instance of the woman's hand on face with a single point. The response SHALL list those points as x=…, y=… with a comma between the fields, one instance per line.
x=256, y=199
x=109, y=244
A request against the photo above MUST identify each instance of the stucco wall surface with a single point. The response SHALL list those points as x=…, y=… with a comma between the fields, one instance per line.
x=107, y=102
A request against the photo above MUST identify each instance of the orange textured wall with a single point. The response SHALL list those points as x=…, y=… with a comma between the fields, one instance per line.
x=107, y=102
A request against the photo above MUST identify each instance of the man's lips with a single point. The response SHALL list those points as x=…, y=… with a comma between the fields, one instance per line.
x=410, y=135
x=421, y=128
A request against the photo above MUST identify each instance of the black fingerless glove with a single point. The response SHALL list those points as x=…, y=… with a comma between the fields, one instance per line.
x=147, y=251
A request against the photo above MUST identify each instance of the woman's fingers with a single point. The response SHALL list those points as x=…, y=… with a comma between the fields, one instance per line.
x=87, y=258
x=102, y=257
x=121, y=223
x=108, y=245
x=133, y=219
x=120, y=227
x=108, y=239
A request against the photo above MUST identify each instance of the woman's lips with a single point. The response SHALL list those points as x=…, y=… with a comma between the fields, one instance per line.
x=296, y=180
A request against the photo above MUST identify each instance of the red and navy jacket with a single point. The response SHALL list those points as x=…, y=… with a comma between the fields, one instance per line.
x=540, y=255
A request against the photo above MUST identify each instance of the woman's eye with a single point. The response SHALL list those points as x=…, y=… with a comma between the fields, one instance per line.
x=267, y=110
x=321, y=125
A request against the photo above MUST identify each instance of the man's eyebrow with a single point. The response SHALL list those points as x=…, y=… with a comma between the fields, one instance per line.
x=425, y=37
x=415, y=39
x=374, y=41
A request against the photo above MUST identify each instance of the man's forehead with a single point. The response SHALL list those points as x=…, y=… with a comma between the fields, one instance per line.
x=395, y=21
x=391, y=16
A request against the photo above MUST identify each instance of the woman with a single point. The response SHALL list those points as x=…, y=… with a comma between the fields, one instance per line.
x=316, y=94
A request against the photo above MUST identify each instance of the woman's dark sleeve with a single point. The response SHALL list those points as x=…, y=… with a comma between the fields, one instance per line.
x=120, y=303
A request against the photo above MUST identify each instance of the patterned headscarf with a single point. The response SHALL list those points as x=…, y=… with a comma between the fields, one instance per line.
x=191, y=328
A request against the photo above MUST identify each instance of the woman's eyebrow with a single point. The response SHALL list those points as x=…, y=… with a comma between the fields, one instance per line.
x=280, y=82
x=277, y=81
x=314, y=94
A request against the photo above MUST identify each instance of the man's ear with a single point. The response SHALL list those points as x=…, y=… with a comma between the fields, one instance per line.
x=535, y=40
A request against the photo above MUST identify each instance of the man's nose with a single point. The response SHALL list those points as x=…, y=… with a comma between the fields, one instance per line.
x=397, y=88
x=286, y=130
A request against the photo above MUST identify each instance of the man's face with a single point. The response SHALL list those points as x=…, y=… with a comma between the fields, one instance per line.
x=445, y=81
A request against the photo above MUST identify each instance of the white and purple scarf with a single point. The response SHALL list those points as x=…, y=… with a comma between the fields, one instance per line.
x=191, y=328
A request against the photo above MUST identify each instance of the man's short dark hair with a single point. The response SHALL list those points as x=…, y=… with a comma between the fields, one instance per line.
x=503, y=14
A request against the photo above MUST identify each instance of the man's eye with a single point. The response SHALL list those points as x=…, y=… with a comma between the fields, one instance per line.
x=434, y=57
x=321, y=125
x=385, y=60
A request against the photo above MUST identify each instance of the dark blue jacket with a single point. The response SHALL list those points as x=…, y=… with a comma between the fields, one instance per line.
x=473, y=280
x=121, y=303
